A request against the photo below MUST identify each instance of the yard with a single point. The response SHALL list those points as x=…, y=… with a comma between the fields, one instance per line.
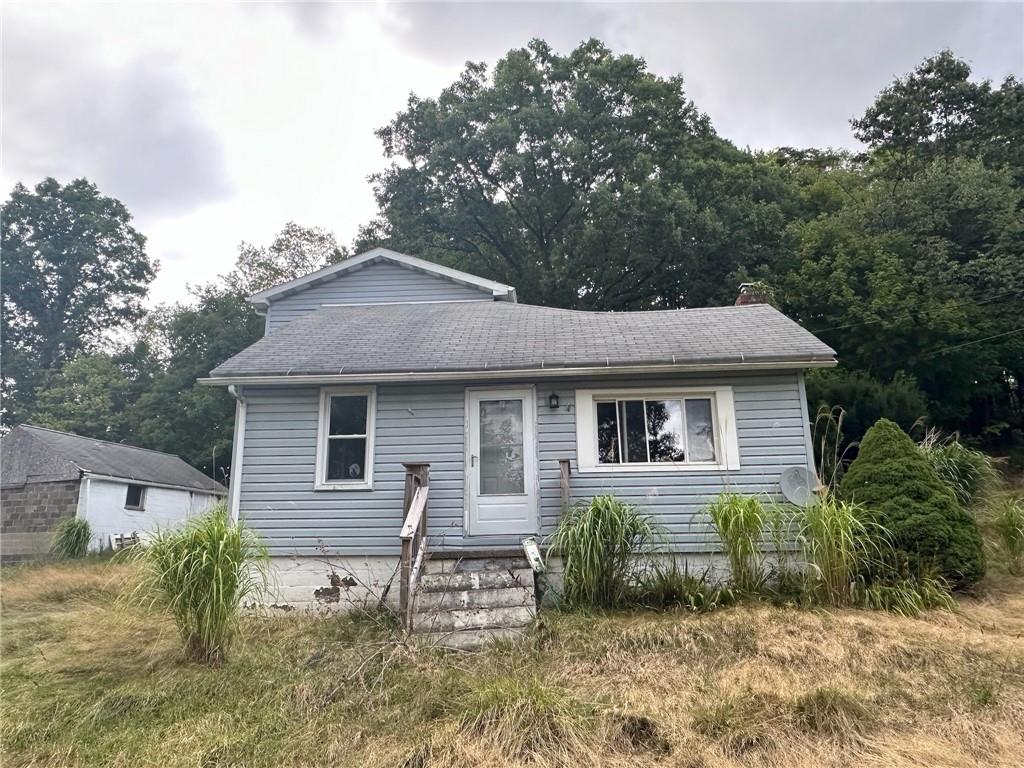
x=89, y=682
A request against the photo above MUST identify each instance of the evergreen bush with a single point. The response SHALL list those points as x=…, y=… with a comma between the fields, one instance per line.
x=900, y=488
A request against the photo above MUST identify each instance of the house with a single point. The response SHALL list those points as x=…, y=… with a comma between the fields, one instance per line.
x=47, y=476
x=376, y=367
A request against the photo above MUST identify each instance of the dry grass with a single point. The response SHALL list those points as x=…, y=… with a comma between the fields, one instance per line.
x=88, y=684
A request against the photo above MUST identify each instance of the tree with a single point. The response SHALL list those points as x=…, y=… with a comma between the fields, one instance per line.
x=177, y=415
x=295, y=251
x=89, y=396
x=938, y=111
x=897, y=484
x=584, y=180
x=73, y=269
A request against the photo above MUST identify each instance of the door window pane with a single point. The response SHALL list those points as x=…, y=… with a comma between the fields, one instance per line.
x=631, y=412
x=700, y=435
x=665, y=430
x=608, y=450
x=348, y=415
x=346, y=458
x=502, y=468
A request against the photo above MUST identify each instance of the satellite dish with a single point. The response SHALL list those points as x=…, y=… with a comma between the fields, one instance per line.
x=798, y=485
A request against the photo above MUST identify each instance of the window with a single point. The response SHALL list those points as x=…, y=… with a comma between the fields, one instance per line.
x=345, y=441
x=135, y=497
x=656, y=429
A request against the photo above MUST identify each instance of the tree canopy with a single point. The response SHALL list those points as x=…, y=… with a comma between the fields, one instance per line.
x=587, y=182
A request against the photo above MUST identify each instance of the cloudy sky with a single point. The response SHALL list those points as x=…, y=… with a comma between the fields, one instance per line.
x=218, y=122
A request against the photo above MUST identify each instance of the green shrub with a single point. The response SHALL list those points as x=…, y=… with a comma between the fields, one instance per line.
x=201, y=574
x=899, y=487
x=968, y=472
x=602, y=543
x=1007, y=520
x=665, y=586
x=741, y=522
x=71, y=538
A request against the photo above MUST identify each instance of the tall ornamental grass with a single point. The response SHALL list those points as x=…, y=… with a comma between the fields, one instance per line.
x=602, y=543
x=1007, y=522
x=741, y=522
x=71, y=538
x=838, y=544
x=201, y=574
x=968, y=472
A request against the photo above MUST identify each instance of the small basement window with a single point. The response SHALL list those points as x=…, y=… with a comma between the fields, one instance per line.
x=135, y=497
x=345, y=440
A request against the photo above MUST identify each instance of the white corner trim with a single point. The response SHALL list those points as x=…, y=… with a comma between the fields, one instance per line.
x=726, y=439
x=320, y=482
x=237, y=457
x=497, y=290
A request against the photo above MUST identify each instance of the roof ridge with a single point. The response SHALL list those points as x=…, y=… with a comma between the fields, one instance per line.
x=108, y=442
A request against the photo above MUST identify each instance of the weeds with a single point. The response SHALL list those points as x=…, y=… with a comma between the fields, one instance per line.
x=968, y=472
x=905, y=597
x=525, y=718
x=202, y=574
x=71, y=538
x=602, y=543
x=665, y=586
x=740, y=522
x=1006, y=519
x=832, y=712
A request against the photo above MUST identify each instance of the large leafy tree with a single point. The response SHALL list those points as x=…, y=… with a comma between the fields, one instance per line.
x=584, y=180
x=73, y=269
x=938, y=111
x=174, y=413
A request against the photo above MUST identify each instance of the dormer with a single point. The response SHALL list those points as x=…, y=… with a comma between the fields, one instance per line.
x=379, y=276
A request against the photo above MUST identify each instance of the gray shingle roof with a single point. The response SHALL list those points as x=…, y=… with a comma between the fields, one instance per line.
x=101, y=458
x=489, y=336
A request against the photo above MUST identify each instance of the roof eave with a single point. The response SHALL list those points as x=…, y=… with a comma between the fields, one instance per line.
x=520, y=373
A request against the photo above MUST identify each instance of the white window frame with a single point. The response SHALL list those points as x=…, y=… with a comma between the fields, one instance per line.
x=323, y=433
x=142, y=497
x=727, y=450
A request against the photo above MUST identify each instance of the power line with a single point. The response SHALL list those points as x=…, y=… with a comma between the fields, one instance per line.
x=976, y=302
x=943, y=350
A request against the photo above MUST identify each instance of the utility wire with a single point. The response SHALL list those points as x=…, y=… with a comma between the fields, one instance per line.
x=944, y=350
x=977, y=302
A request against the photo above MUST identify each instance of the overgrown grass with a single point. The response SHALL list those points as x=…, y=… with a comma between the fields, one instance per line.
x=603, y=544
x=88, y=683
x=740, y=522
x=1005, y=518
x=969, y=473
x=71, y=538
x=667, y=586
x=201, y=574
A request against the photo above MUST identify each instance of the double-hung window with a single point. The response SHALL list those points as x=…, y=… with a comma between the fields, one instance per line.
x=656, y=429
x=345, y=440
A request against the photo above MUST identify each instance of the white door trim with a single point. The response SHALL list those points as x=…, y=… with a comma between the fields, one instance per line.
x=530, y=452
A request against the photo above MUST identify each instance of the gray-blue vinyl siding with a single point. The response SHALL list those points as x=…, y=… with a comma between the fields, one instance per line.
x=425, y=422
x=380, y=282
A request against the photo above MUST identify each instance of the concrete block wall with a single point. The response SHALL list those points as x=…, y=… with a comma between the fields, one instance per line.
x=28, y=515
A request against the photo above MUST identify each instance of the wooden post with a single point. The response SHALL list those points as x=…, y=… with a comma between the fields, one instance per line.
x=416, y=475
x=565, y=469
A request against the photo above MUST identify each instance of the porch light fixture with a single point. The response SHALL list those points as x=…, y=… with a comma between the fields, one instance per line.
x=553, y=401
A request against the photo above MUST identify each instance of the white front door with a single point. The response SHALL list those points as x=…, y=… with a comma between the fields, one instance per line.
x=501, y=462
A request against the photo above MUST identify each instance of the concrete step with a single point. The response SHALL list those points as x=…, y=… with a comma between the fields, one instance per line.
x=451, y=564
x=470, y=640
x=510, y=617
x=458, y=582
x=502, y=597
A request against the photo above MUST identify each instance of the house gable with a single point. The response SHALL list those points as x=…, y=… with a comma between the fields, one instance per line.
x=376, y=277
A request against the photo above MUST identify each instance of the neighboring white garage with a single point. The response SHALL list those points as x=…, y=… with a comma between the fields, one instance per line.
x=46, y=476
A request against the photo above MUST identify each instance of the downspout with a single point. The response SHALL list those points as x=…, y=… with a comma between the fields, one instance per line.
x=237, y=452
x=806, y=420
